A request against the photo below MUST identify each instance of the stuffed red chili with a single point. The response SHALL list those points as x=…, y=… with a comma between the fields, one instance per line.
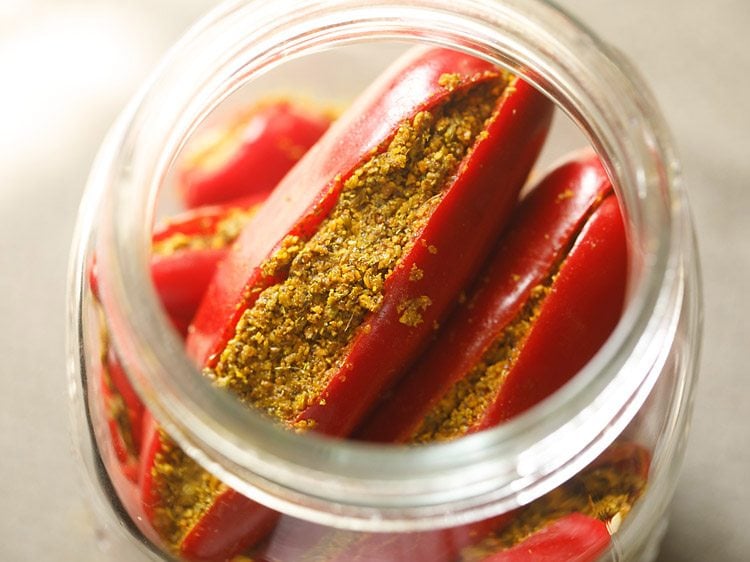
x=549, y=297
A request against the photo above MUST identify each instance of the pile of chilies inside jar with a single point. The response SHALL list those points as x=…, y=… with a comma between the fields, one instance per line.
x=379, y=276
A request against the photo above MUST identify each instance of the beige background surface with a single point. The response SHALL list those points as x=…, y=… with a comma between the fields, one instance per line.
x=68, y=66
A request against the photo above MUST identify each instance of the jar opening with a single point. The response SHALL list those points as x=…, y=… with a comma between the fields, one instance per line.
x=479, y=475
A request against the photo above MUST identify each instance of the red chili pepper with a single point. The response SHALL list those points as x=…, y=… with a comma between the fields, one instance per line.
x=251, y=155
x=573, y=538
x=187, y=250
x=230, y=525
x=180, y=293
x=533, y=353
x=459, y=231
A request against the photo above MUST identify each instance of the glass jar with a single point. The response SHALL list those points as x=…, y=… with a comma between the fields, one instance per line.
x=637, y=389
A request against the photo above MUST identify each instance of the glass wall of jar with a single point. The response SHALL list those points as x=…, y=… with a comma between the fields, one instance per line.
x=181, y=468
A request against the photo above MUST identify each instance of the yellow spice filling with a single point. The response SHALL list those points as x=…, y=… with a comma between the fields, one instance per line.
x=605, y=493
x=224, y=233
x=184, y=491
x=467, y=401
x=288, y=344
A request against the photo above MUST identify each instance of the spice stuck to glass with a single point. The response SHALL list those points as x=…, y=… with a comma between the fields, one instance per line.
x=398, y=327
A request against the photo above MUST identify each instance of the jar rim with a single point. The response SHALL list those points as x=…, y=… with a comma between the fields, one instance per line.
x=381, y=487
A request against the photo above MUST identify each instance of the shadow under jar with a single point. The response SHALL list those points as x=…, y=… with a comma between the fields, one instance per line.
x=585, y=349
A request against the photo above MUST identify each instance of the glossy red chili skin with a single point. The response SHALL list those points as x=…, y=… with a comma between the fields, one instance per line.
x=181, y=280
x=573, y=538
x=250, y=523
x=540, y=233
x=459, y=232
x=264, y=144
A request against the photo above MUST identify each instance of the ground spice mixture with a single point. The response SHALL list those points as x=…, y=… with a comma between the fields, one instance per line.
x=287, y=345
x=185, y=491
x=463, y=406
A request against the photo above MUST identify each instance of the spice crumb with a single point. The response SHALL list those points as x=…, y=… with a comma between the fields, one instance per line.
x=415, y=274
x=449, y=81
x=411, y=310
